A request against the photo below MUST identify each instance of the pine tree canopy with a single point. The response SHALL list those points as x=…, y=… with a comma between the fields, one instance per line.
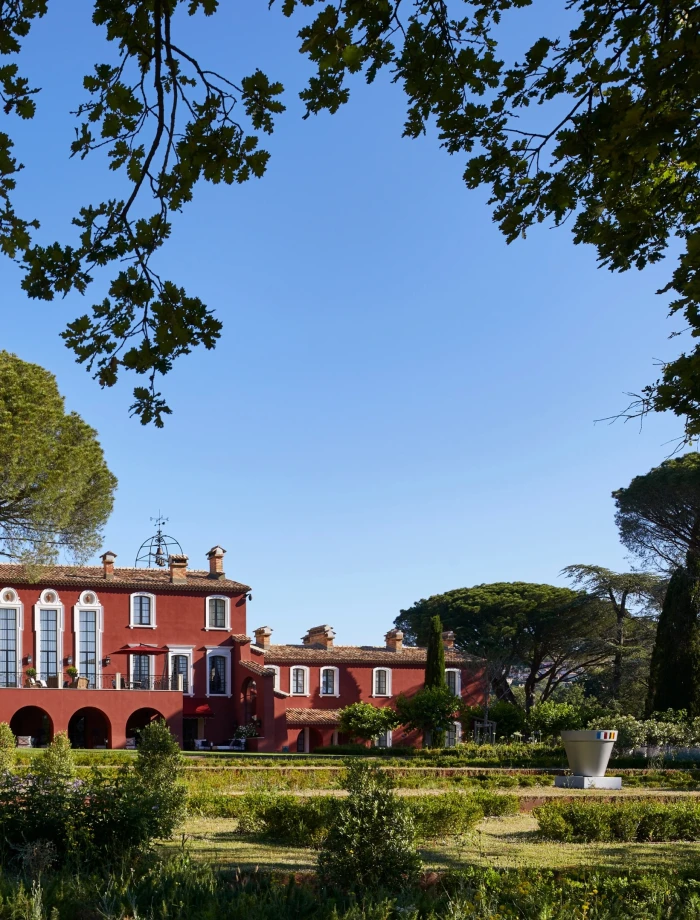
x=56, y=492
x=597, y=129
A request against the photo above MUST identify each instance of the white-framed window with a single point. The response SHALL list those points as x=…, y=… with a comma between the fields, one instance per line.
x=180, y=665
x=329, y=681
x=453, y=679
x=384, y=740
x=48, y=637
x=218, y=612
x=88, y=624
x=381, y=682
x=276, y=681
x=299, y=680
x=142, y=611
x=453, y=735
x=218, y=671
x=11, y=624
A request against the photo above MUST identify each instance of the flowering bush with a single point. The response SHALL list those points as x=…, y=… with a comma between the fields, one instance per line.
x=251, y=730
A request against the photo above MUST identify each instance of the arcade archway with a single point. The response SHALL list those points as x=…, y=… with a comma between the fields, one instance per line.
x=90, y=728
x=33, y=722
x=140, y=719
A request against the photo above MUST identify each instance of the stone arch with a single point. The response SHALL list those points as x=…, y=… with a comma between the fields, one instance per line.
x=315, y=739
x=140, y=719
x=89, y=727
x=34, y=722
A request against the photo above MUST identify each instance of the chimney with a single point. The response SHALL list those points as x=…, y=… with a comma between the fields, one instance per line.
x=394, y=640
x=320, y=635
x=262, y=636
x=216, y=562
x=448, y=640
x=108, y=563
x=178, y=567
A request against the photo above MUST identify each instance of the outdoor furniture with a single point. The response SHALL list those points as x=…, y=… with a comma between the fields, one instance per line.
x=130, y=744
x=24, y=741
x=42, y=683
x=52, y=683
x=201, y=744
x=82, y=683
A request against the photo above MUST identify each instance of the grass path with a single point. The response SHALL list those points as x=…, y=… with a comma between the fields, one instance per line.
x=507, y=842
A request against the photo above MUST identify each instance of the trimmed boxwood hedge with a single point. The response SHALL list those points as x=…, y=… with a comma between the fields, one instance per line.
x=298, y=821
x=584, y=822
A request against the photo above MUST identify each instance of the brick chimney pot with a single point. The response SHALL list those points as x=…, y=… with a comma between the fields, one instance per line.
x=394, y=640
x=262, y=636
x=108, y=563
x=320, y=635
x=178, y=568
x=216, y=561
x=448, y=640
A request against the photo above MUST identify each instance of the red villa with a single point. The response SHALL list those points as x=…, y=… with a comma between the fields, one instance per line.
x=172, y=642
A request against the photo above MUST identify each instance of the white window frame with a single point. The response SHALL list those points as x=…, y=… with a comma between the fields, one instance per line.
x=307, y=682
x=458, y=732
x=307, y=733
x=227, y=613
x=17, y=605
x=43, y=604
x=134, y=625
x=277, y=677
x=336, y=680
x=97, y=606
x=388, y=735
x=187, y=651
x=226, y=652
x=458, y=679
x=388, y=683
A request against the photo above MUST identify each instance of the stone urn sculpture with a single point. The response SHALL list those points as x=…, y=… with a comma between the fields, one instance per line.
x=588, y=753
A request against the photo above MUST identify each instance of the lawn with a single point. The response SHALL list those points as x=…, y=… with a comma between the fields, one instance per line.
x=511, y=842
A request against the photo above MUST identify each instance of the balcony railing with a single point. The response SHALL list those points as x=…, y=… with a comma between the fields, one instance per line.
x=115, y=681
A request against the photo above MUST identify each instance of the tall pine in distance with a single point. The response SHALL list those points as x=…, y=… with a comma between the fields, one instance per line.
x=435, y=672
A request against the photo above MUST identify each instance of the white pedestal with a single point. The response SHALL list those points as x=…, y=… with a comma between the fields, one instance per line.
x=588, y=782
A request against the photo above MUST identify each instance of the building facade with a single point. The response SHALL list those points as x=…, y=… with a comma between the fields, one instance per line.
x=101, y=651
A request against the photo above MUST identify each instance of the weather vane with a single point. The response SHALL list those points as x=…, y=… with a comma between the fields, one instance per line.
x=155, y=550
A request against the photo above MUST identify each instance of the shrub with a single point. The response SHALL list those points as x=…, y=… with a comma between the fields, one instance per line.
x=627, y=821
x=551, y=718
x=431, y=710
x=7, y=748
x=443, y=815
x=371, y=843
x=363, y=720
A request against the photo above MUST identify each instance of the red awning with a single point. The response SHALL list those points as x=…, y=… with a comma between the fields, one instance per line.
x=140, y=650
x=194, y=707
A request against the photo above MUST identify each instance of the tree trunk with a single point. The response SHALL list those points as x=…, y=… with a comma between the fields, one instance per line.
x=502, y=691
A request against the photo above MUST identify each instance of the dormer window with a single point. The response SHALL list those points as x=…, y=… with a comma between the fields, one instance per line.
x=143, y=610
x=218, y=613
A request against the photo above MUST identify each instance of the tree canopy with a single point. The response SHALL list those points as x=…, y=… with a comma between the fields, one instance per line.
x=658, y=513
x=553, y=633
x=598, y=129
x=630, y=594
x=56, y=492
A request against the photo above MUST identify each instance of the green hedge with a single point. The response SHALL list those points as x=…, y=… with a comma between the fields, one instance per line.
x=583, y=822
x=305, y=821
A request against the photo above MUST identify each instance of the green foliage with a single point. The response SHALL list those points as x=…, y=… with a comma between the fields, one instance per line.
x=658, y=513
x=371, y=843
x=551, y=718
x=56, y=491
x=509, y=718
x=435, y=661
x=585, y=822
x=519, y=624
x=363, y=720
x=432, y=710
x=674, y=677
x=7, y=748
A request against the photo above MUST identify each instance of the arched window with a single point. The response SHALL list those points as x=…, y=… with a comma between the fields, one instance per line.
x=10, y=638
x=143, y=610
x=217, y=674
x=329, y=682
x=300, y=681
x=381, y=683
x=453, y=679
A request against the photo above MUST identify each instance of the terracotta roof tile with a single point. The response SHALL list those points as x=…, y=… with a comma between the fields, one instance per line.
x=240, y=638
x=358, y=654
x=256, y=668
x=92, y=576
x=312, y=716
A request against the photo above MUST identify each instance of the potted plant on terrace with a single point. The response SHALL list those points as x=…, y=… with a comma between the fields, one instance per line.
x=31, y=677
x=73, y=672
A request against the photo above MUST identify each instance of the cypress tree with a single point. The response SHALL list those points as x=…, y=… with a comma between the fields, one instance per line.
x=435, y=663
x=674, y=678
x=435, y=673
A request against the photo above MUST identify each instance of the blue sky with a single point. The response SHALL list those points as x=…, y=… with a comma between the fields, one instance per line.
x=401, y=403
